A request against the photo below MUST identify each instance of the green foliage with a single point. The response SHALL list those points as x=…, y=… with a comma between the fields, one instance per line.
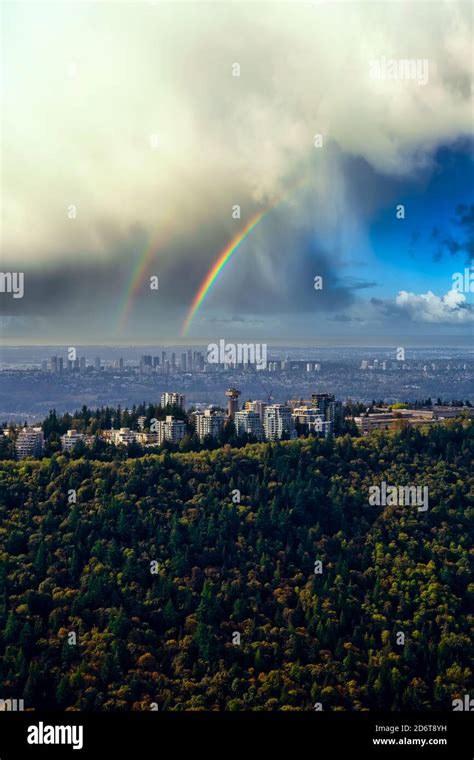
x=248, y=567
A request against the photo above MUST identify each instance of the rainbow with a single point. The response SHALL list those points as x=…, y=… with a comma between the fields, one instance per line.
x=136, y=280
x=224, y=257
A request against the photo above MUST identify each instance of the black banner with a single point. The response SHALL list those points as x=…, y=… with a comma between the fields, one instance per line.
x=391, y=735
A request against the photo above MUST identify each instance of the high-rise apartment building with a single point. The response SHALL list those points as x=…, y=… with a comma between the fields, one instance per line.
x=329, y=408
x=278, y=422
x=171, y=429
x=312, y=421
x=255, y=406
x=247, y=421
x=209, y=422
x=29, y=443
x=172, y=399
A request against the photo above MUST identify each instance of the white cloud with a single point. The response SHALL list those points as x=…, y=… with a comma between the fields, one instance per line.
x=427, y=307
x=140, y=69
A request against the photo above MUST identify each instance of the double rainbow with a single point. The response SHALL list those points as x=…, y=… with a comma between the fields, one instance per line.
x=142, y=265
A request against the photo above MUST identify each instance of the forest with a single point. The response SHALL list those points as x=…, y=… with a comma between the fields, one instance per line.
x=253, y=578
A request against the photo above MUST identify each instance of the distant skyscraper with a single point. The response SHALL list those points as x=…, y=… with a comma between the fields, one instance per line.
x=97, y=362
x=190, y=360
x=163, y=359
x=183, y=362
x=54, y=364
x=145, y=364
x=82, y=363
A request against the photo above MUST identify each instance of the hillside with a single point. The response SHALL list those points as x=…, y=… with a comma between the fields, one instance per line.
x=166, y=633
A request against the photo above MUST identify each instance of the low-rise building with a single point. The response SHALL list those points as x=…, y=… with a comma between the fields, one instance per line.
x=448, y=412
x=70, y=439
x=147, y=438
x=392, y=420
x=121, y=437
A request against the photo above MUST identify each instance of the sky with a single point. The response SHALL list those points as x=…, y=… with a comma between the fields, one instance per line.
x=132, y=131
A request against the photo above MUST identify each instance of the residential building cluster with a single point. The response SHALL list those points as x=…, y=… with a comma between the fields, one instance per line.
x=262, y=420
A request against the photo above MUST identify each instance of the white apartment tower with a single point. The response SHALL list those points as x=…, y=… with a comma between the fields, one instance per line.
x=277, y=422
x=30, y=443
x=248, y=421
x=209, y=422
x=171, y=430
x=172, y=399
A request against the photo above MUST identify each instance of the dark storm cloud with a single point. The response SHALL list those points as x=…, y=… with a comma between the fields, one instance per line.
x=459, y=241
